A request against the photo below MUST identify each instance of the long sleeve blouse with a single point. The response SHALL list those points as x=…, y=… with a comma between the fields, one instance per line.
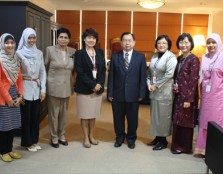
x=34, y=76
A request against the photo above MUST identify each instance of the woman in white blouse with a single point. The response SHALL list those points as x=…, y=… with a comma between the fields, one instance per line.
x=34, y=84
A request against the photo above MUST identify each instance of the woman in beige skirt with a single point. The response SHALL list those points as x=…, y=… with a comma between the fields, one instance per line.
x=90, y=68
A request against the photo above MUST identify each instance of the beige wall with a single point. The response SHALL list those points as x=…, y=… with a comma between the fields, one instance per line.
x=217, y=24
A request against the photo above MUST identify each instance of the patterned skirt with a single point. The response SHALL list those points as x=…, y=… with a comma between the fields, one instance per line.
x=10, y=118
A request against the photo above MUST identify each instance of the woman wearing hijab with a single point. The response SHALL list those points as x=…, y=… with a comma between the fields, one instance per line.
x=10, y=97
x=160, y=84
x=211, y=82
x=90, y=67
x=34, y=83
x=59, y=65
x=186, y=96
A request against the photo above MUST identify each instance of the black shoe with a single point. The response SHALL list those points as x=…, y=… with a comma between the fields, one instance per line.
x=65, y=143
x=131, y=145
x=199, y=156
x=118, y=143
x=176, y=151
x=154, y=142
x=160, y=146
x=55, y=145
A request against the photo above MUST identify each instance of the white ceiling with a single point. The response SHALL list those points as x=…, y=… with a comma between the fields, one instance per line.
x=175, y=6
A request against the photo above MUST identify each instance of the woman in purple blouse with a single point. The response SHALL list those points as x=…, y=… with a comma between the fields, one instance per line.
x=186, y=96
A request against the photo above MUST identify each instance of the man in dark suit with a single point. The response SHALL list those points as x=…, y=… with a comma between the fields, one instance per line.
x=126, y=87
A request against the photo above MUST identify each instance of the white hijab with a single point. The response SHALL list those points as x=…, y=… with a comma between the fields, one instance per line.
x=24, y=49
x=8, y=62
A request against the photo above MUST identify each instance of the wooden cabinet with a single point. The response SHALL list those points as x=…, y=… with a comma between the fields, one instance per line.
x=17, y=15
x=22, y=14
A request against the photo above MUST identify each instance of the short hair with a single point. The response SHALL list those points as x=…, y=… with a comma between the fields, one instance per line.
x=182, y=37
x=89, y=32
x=163, y=36
x=127, y=33
x=63, y=30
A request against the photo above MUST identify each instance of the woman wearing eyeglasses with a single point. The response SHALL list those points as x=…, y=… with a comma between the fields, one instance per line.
x=160, y=84
x=186, y=96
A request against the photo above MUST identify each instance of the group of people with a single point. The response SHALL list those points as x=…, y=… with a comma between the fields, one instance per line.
x=174, y=85
x=174, y=92
x=27, y=78
x=22, y=88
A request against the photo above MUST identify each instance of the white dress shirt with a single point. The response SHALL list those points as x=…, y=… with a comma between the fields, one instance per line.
x=130, y=55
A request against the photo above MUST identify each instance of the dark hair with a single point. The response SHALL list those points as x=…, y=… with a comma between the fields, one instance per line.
x=163, y=36
x=9, y=37
x=182, y=37
x=89, y=32
x=63, y=30
x=127, y=33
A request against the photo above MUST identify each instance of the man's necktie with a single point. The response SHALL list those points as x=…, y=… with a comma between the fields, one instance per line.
x=126, y=60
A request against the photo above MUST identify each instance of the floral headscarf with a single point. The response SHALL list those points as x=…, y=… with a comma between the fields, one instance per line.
x=8, y=62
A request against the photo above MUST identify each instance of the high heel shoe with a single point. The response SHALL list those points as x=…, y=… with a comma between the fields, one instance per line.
x=154, y=142
x=55, y=145
x=95, y=142
x=199, y=156
x=160, y=146
x=86, y=145
x=176, y=151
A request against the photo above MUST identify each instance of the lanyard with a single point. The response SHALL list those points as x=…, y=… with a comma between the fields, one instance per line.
x=93, y=60
x=155, y=65
x=181, y=64
x=160, y=55
x=182, y=61
x=211, y=67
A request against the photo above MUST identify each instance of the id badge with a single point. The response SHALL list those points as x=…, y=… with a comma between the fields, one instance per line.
x=154, y=79
x=94, y=73
x=208, y=88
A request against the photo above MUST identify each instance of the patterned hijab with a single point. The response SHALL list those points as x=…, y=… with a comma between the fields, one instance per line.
x=8, y=62
x=209, y=59
x=24, y=49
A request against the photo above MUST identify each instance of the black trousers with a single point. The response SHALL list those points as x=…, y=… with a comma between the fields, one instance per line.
x=130, y=111
x=6, y=141
x=30, y=113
